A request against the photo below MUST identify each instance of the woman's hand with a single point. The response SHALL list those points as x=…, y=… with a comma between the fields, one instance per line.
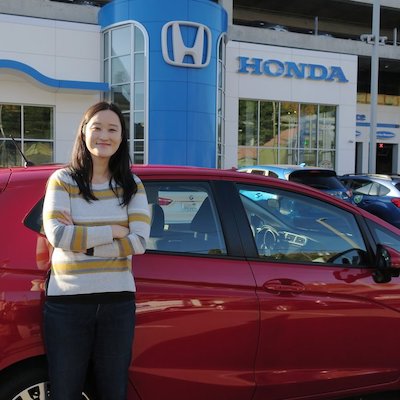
x=119, y=231
x=66, y=219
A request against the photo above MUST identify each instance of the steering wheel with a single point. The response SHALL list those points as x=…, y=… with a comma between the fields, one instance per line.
x=267, y=238
x=347, y=257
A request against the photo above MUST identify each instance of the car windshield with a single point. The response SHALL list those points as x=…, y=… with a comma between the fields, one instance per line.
x=319, y=179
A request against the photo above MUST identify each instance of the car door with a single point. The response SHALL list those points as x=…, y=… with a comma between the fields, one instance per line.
x=197, y=311
x=326, y=325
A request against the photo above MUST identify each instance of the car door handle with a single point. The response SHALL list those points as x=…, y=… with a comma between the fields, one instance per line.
x=283, y=285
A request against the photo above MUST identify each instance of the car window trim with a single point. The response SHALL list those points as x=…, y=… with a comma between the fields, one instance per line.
x=235, y=225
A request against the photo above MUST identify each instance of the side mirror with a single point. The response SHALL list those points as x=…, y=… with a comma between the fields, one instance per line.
x=387, y=257
x=387, y=264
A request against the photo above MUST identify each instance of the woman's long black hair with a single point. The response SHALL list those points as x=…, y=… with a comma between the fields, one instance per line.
x=81, y=165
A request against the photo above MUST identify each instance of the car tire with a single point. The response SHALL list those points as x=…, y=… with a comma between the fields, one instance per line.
x=30, y=382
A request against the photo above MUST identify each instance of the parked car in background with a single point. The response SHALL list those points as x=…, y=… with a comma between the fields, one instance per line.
x=378, y=194
x=319, y=178
x=266, y=290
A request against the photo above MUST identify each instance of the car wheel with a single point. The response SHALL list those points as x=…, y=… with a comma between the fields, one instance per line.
x=30, y=383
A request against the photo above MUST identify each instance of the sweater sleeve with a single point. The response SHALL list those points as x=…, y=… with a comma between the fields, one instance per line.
x=139, y=228
x=68, y=237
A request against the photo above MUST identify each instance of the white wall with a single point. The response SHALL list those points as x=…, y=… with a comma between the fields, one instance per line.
x=59, y=50
x=263, y=87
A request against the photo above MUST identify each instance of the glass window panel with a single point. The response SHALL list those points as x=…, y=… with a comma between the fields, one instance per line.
x=308, y=125
x=248, y=123
x=121, y=96
x=309, y=157
x=106, y=71
x=288, y=156
x=139, y=67
x=220, y=75
x=327, y=127
x=326, y=159
x=38, y=122
x=139, y=130
x=219, y=105
x=120, y=70
x=139, y=146
x=288, y=128
x=138, y=98
x=138, y=158
x=39, y=152
x=247, y=156
x=121, y=41
x=106, y=45
x=219, y=132
x=127, y=123
x=9, y=155
x=221, y=49
x=268, y=156
x=303, y=130
x=269, y=112
x=10, y=121
x=139, y=40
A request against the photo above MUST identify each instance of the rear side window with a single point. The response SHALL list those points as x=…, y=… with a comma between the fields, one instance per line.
x=383, y=190
x=323, y=180
x=184, y=218
x=34, y=219
x=397, y=185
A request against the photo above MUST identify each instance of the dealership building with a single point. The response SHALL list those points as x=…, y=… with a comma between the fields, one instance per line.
x=218, y=84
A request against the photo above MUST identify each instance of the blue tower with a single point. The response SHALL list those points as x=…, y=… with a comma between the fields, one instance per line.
x=181, y=79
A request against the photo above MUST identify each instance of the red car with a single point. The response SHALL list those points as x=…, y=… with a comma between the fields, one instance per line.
x=252, y=288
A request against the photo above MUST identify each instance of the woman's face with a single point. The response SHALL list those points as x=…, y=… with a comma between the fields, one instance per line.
x=103, y=134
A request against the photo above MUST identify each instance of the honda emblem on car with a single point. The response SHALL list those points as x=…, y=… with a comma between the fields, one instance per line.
x=175, y=49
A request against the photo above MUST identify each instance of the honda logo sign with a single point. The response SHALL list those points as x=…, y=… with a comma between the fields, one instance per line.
x=176, y=52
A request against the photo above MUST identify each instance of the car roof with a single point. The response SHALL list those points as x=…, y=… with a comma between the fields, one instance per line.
x=284, y=167
x=173, y=172
x=373, y=176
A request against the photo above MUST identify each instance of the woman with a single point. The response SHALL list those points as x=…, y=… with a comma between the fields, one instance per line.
x=96, y=216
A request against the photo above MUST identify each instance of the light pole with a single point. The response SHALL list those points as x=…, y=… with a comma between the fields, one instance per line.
x=376, y=41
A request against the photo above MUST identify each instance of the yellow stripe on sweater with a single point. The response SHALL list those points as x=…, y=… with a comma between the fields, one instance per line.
x=139, y=217
x=92, y=266
x=79, y=238
x=125, y=247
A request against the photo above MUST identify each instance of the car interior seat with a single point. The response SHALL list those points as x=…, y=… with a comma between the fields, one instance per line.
x=157, y=218
x=206, y=237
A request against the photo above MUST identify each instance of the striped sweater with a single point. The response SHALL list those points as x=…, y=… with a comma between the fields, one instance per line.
x=108, y=270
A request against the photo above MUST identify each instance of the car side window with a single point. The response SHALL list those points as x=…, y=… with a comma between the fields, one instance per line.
x=383, y=190
x=294, y=228
x=360, y=186
x=184, y=219
x=384, y=236
x=34, y=219
x=374, y=191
